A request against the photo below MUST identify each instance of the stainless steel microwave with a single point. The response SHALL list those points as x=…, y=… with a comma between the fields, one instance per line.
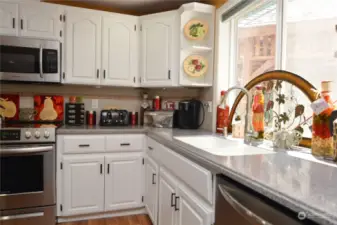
x=30, y=60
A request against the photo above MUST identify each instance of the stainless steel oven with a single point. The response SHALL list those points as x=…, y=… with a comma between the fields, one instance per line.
x=30, y=60
x=27, y=176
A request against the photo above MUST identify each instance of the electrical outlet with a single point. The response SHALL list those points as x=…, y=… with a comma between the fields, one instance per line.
x=94, y=103
x=210, y=106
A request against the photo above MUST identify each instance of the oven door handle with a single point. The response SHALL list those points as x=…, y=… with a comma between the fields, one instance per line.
x=21, y=216
x=240, y=208
x=25, y=150
x=41, y=61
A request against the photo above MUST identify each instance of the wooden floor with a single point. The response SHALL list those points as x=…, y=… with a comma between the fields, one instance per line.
x=126, y=220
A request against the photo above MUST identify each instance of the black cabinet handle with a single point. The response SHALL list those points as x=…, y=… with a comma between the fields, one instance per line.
x=125, y=144
x=153, y=178
x=173, y=204
x=108, y=170
x=21, y=24
x=97, y=73
x=83, y=146
x=150, y=148
x=176, y=204
x=104, y=74
x=101, y=168
x=13, y=22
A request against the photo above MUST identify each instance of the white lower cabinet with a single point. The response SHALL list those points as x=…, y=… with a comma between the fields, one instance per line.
x=83, y=184
x=191, y=210
x=167, y=195
x=151, y=189
x=123, y=181
x=178, y=205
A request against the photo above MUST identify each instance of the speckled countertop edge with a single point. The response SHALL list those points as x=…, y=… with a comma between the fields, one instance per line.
x=314, y=214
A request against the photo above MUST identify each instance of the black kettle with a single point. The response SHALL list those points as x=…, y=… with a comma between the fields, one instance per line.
x=188, y=114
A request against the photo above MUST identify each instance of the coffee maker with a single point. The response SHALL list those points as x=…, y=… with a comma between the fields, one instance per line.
x=188, y=114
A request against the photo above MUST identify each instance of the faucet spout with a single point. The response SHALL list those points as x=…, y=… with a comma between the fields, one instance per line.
x=248, y=122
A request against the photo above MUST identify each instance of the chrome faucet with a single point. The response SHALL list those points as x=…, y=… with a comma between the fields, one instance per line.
x=249, y=133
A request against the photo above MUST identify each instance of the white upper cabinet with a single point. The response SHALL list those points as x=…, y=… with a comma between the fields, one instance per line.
x=9, y=16
x=83, y=184
x=157, y=43
x=120, y=50
x=151, y=189
x=123, y=181
x=82, y=47
x=40, y=20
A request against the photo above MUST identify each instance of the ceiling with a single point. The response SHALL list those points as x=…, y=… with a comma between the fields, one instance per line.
x=136, y=7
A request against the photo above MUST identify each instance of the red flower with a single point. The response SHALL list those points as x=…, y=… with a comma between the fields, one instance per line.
x=198, y=67
x=195, y=62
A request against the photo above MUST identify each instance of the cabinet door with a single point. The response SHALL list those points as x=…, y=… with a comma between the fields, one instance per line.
x=83, y=47
x=167, y=194
x=123, y=181
x=83, y=184
x=9, y=18
x=191, y=210
x=40, y=20
x=156, y=51
x=119, y=51
x=151, y=189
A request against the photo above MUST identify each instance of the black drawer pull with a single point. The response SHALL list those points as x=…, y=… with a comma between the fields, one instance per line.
x=173, y=204
x=83, y=146
x=150, y=148
x=21, y=24
x=176, y=204
x=153, y=178
x=13, y=22
x=108, y=170
x=125, y=144
x=101, y=168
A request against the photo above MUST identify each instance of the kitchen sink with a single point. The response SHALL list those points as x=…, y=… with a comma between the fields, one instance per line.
x=219, y=146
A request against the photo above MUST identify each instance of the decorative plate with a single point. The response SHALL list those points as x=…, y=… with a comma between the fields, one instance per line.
x=196, y=29
x=195, y=65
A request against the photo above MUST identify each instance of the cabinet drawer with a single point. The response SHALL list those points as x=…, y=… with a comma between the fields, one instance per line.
x=121, y=143
x=83, y=143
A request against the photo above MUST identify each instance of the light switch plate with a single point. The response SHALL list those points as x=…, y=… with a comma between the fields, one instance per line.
x=94, y=103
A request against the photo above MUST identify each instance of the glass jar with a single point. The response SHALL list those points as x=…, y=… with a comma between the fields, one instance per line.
x=322, y=138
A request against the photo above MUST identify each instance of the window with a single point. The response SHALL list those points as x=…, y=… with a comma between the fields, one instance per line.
x=299, y=36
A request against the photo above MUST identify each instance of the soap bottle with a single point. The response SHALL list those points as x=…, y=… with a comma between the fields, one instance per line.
x=145, y=105
x=322, y=138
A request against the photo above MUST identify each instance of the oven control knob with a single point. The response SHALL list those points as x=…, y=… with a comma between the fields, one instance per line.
x=37, y=134
x=46, y=134
x=28, y=134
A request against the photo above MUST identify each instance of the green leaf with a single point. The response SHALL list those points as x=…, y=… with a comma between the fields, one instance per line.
x=281, y=99
x=283, y=118
x=278, y=85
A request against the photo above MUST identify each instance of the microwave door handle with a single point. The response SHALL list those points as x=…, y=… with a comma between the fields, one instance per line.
x=241, y=209
x=41, y=62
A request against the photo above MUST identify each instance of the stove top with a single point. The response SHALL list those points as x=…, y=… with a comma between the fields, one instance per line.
x=28, y=132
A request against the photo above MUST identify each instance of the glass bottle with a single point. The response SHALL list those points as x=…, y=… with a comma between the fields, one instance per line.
x=322, y=139
x=145, y=105
x=258, y=112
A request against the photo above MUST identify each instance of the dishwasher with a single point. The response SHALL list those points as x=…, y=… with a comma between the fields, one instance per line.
x=237, y=204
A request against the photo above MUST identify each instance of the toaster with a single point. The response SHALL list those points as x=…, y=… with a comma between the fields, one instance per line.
x=114, y=118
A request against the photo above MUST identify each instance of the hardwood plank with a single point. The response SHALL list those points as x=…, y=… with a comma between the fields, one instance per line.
x=126, y=220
